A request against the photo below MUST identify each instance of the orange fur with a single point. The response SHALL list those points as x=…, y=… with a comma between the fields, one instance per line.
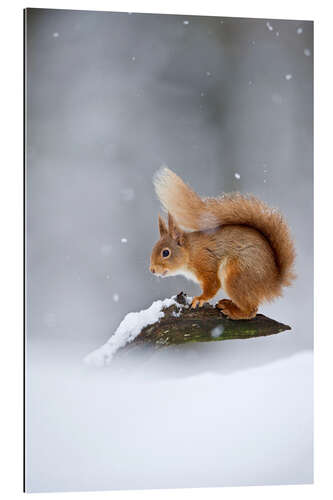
x=237, y=243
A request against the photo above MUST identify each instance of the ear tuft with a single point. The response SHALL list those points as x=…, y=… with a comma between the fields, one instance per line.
x=162, y=226
x=171, y=224
x=174, y=231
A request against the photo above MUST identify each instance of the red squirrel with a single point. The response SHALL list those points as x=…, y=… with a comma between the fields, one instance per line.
x=233, y=242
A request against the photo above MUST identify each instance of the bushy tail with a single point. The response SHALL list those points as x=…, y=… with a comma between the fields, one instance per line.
x=194, y=213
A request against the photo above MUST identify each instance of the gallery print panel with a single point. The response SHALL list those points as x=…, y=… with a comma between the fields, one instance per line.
x=176, y=147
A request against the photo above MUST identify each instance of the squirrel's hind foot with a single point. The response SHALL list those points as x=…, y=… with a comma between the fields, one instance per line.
x=234, y=312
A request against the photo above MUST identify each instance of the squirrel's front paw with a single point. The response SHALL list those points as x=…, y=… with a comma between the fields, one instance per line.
x=197, y=301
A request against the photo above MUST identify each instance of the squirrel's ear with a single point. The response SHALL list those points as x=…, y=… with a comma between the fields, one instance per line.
x=162, y=226
x=174, y=231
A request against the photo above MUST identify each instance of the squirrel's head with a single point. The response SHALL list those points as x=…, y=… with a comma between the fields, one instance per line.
x=169, y=254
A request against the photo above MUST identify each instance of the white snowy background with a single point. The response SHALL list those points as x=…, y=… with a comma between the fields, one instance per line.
x=227, y=104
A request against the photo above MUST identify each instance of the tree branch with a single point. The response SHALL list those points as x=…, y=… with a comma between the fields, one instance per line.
x=173, y=322
x=206, y=324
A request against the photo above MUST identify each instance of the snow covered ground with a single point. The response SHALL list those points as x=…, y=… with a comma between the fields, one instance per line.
x=149, y=425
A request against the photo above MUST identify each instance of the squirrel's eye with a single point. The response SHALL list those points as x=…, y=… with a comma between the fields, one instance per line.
x=166, y=253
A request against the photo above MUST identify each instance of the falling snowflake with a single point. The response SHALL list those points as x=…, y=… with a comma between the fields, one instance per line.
x=133, y=58
x=269, y=26
x=123, y=240
x=299, y=31
x=115, y=297
x=55, y=34
x=307, y=52
x=237, y=175
x=186, y=22
x=288, y=76
x=217, y=331
x=208, y=73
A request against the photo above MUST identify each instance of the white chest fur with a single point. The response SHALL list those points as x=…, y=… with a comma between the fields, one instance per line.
x=183, y=271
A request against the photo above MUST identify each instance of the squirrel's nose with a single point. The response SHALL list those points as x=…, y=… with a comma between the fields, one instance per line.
x=152, y=270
